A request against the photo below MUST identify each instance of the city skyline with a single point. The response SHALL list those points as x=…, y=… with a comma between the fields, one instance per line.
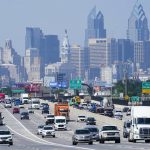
x=54, y=23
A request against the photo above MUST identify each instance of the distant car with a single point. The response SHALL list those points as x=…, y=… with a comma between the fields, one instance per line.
x=8, y=104
x=24, y=115
x=16, y=110
x=118, y=114
x=49, y=119
x=108, y=112
x=90, y=121
x=109, y=133
x=21, y=105
x=5, y=136
x=125, y=109
x=30, y=110
x=39, y=130
x=45, y=109
x=81, y=118
x=94, y=132
x=48, y=131
x=126, y=128
x=82, y=136
x=128, y=112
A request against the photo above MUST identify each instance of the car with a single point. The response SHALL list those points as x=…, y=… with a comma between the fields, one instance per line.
x=108, y=112
x=21, y=105
x=81, y=118
x=94, y=132
x=39, y=130
x=16, y=110
x=118, y=114
x=7, y=104
x=128, y=112
x=125, y=109
x=48, y=131
x=90, y=121
x=41, y=105
x=5, y=136
x=30, y=110
x=45, y=109
x=82, y=136
x=126, y=128
x=109, y=133
x=49, y=119
x=24, y=115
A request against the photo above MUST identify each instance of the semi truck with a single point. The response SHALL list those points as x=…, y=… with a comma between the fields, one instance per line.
x=24, y=98
x=62, y=109
x=140, y=124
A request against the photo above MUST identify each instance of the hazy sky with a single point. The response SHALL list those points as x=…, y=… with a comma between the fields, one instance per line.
x=54, y=16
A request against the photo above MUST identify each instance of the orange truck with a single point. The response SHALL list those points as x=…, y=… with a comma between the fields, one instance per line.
x=62, y=109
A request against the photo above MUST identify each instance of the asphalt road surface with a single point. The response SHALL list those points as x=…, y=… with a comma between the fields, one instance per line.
x=25, y=137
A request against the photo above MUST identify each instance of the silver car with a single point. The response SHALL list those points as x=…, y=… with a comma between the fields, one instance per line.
x=82, y=136
x=126, y=128
x=39, y=130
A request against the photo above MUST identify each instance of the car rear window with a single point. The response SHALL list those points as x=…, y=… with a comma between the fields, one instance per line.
x=82, y=132
x=105, y=128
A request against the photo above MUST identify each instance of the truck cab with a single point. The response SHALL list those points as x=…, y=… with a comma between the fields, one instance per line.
x=60, y=123
x=140, y=124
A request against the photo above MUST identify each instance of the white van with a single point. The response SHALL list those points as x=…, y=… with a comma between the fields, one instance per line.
x=60, y=123
x=35, y=103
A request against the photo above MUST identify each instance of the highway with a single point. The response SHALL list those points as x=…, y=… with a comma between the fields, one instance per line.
x=25, y=136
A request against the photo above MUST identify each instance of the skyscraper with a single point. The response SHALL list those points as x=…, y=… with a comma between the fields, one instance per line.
x=33, y=38
x=137, y=24
x=95, y=26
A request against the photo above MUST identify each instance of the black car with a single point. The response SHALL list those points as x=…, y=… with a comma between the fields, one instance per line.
x=90, y=121
x=24, y=115
x=45, y=109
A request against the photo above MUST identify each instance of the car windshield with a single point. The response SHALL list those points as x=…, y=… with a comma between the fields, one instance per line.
x=60, y=120
x=93, y=129
x=4, y=132
x=91, y=119
x=143, y=120
x=128, y=125
x=24, y=113
x=82, y=131
x=48, y=128
x=105, y=128
x=81, y=116
x=40, y=126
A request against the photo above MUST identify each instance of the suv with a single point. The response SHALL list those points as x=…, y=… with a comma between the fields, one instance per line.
x=24, y=115
x=109, y=133
x=81, y=118
x=90, y=121
x=82, y=136
x=48, y=131
x=5, y=136
x=94, y=132
x=8, y=104
x=126, y=128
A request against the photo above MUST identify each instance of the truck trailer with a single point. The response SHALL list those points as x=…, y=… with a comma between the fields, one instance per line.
x=62, y=109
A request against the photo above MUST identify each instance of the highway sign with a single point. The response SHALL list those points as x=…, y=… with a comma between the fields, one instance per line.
x=75, y=84
x=146, y=87
x=135, y=99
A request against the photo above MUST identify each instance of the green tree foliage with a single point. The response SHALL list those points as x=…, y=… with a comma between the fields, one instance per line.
x=134, y=87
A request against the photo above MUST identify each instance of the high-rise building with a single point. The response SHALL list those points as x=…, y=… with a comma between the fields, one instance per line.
x=77, y=60
x=33, y=38
x=32, y=62
x=125, y=50
x=138, y=24
x=50, y=52
x=65, y=49
x=141, y=54
x=95, y=26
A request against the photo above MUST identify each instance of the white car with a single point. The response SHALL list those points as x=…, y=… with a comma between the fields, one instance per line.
x=118, y=114
x=39, y=130
x=48, y=131
x=21, y=105
x=7, y=105
x=81, y=118
x=109, y=133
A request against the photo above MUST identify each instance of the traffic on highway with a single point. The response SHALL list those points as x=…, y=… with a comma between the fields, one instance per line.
x=73, y=124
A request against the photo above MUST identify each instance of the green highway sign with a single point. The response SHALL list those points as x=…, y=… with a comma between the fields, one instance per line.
x=135, y=99
x=18, y=91
x=75, y=84
x=145, y=85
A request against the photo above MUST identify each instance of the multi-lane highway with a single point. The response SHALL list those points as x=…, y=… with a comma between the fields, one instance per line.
x=25, y=136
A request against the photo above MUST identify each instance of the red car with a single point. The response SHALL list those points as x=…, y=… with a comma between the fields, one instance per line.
x=16, y=110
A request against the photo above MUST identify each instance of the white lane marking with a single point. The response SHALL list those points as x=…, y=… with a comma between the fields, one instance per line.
x=46, y=142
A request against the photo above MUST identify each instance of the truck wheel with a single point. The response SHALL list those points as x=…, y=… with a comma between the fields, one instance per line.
x=134, y=141
x=91, y=143
x=124, y=135
x=101, y=141
x=117, y=141
x=11, y=143
x=147, y=141
x=42, y=136
x=74, y=143
x=53, y=136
